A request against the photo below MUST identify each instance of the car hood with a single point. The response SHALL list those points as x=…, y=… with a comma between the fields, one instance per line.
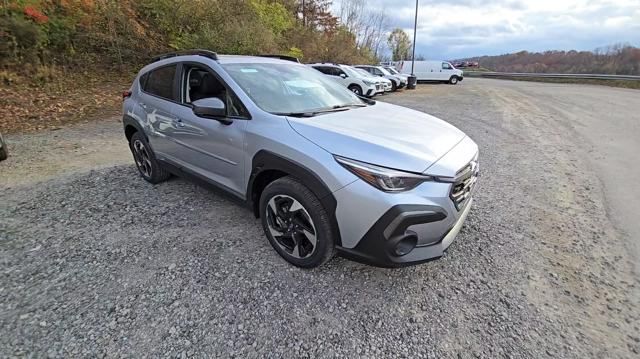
x=382, y=134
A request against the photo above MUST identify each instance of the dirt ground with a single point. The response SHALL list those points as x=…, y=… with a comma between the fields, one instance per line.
x=97, y=262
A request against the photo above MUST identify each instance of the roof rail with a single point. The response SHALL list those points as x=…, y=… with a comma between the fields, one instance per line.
x=282, y=57
x=206, y=53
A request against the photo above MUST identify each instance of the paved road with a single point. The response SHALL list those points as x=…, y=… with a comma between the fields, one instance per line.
x=605, y=123
x=97, y=262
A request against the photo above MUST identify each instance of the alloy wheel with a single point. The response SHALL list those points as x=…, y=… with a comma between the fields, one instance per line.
x=142, y=158
x=291, y=226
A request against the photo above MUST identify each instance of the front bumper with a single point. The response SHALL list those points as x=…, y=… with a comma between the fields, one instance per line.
x=379, y=247
x=403, y=228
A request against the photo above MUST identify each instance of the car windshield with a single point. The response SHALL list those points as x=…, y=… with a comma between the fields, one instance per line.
x=352, y=71
x=290, y=88
x=384, y=71
x=392, y=70
x=363, y=72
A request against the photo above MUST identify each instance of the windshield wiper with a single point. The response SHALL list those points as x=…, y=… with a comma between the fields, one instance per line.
x=312, y=113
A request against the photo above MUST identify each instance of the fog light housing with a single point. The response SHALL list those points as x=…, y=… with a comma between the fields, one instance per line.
x=404, y=244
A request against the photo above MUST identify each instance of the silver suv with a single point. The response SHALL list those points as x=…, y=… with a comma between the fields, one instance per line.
x=326, y=171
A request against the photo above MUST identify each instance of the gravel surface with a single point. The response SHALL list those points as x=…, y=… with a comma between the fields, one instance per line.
x=101, y=263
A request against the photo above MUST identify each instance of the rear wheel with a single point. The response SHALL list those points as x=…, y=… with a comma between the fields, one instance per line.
x=149, y=168
x=296, y=223
x=453, y=80
x=4, y=153
x=356, y=89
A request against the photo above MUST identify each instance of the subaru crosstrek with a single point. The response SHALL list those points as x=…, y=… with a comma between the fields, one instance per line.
x=327, y=171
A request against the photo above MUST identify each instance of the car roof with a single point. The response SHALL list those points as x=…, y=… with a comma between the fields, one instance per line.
x=325, y=64
x=221, y=59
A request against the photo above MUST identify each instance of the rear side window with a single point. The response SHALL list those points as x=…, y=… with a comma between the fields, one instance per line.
x=324, y=70
x=338, y=72
x=160, y=82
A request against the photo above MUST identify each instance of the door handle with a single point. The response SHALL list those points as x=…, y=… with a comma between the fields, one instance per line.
x=178, y=122
x=143, y=105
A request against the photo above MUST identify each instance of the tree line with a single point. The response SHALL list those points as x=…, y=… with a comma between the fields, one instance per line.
x=619, y=59
x=120, y=33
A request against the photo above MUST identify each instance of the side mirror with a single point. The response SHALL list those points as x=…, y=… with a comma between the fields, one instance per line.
x=344, y=76
x=211, y=107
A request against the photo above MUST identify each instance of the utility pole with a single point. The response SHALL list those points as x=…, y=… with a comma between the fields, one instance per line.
x=415, y=27
x=412, y=80
x=304, y=19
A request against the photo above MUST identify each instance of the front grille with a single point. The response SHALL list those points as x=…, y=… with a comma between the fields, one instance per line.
x=463, y=186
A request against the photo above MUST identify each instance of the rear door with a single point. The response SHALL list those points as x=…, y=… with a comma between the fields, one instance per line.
x=158, y=97
x=211, y=148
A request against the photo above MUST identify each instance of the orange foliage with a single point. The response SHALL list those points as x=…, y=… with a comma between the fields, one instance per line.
x=35, y=15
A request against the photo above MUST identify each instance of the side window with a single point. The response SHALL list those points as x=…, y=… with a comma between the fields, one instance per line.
x=159, y=82
x=324, y=70
x=446, y=66
x=143, y=81
x=339, y=72
x=199, y=83
x=377, y=72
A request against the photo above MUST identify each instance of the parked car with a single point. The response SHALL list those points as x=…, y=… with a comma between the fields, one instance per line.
x=395, y=72
x=356, y=83
x=325, y=170
x=441, y=71
x=386, y=84
x=397, y=82
x=4, y=152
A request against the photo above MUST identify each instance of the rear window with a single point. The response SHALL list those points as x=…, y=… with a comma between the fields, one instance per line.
x=160, y=82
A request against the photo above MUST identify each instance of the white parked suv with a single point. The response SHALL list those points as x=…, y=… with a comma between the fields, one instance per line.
x=397, y=82
x=386, y=84
x=351, y=79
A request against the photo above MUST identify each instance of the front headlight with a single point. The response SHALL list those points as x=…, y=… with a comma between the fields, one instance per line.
x=382, y=178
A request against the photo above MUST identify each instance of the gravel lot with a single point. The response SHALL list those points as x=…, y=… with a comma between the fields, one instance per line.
x=97, y=262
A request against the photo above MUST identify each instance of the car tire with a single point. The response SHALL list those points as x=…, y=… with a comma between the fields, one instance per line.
x=356, y=89
x=304, y=237
x=4, y=153
x=148, y=166
x=394, y=86
x=453, y=80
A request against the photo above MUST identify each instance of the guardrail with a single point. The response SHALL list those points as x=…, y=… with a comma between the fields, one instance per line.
x=552, y=76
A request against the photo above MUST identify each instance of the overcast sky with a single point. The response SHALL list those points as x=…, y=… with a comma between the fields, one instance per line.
x=465, y=28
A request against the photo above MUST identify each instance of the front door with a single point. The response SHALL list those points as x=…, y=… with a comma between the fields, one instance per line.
x=446, y=71
x=210, y=148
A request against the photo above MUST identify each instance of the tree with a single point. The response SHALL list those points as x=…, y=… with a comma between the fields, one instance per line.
x=399, y=44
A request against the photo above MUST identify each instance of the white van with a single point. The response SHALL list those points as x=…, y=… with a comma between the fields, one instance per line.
x=431, y=71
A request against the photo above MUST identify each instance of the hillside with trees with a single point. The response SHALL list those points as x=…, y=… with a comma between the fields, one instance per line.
x=107, y=32
x=56, y=53
x=617, y=59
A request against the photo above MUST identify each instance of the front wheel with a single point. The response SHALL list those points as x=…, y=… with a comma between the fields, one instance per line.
x=296, y=223
x=356, y=89
x=453, y=80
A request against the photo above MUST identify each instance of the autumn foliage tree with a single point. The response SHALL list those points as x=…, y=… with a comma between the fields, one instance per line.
x=125, y=33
